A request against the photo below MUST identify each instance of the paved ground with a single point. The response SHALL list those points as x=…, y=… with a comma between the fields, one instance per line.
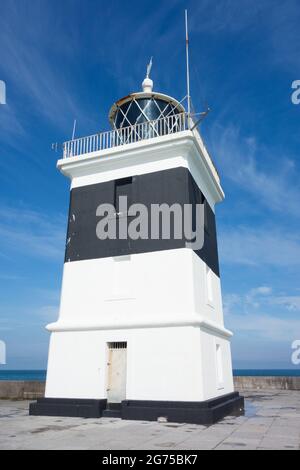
x=272, y=421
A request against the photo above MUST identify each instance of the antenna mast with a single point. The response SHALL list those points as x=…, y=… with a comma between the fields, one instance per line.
x=187, y=67
x=74, y=129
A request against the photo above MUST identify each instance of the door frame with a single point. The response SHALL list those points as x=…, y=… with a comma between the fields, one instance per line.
x=109, y=345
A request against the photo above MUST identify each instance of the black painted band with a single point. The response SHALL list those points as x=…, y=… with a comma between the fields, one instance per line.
x=205, y=412
x=173, y=186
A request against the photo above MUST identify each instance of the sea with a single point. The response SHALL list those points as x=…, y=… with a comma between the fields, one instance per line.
x=40, y=375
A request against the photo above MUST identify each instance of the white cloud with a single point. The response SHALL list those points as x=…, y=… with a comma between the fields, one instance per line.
x=262, y=246
x=279, y=24
x=242, y=314
x=9, y=277
x=274, y=189
x=31, y=233
x=33, y=71
x=265, y=326
x=5, y=328
x=263, y=290
x=291, y=302
x=50, y=312
x=230, y=301
x=10, y=125
x=225, y=15
x=253, y=298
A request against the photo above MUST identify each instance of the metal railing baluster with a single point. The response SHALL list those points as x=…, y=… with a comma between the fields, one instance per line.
x=126, y=135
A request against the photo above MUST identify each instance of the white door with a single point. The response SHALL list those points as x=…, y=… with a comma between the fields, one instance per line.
x=117, y=355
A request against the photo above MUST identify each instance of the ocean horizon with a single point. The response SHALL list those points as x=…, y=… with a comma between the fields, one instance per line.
x=40, y=375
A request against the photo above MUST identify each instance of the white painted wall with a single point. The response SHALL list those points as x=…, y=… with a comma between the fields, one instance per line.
x=162, y=364
x=157, y=288
x=211, y=387
x=211, y=310
x=146, y=283
x=153, y=289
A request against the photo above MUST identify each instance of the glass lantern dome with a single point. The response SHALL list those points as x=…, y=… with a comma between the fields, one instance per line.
x=147, y=112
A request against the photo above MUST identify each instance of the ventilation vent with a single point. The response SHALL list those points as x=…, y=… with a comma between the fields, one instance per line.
x=119, y=345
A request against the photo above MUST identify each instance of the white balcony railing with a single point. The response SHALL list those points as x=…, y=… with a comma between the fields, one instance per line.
x=125, y=135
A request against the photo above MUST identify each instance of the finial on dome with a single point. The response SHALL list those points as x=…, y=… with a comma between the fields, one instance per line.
x=148, y=83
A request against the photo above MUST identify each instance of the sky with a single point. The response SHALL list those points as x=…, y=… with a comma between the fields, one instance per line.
x=66, y=59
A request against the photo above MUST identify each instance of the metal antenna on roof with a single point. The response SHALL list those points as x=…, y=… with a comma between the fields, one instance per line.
x=187, y=67
x=74, y=129
x=191, y=123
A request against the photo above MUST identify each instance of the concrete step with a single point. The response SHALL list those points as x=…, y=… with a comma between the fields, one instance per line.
x=113, y=410
x=111, y=413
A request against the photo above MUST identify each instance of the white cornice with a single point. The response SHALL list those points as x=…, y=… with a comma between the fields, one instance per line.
x=157, y=321
x=184, y=145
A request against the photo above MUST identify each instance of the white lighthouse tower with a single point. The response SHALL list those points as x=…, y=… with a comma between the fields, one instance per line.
x=140, y=332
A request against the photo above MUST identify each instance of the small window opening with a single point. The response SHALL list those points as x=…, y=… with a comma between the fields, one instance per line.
x=117, y=345
x=123, y=187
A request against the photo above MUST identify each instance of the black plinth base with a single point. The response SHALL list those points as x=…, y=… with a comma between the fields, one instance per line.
x=67, y=407
x=113, y=410
x=205, y=412
x=197, y=412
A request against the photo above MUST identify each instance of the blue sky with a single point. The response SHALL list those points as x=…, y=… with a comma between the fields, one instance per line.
x=72, y=59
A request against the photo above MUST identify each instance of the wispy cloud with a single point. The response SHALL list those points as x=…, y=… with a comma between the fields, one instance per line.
x=274, y=189
x=31, y=233
x=9, y=277
x=48, y=312
x=260, y=296
x=265, y=326
x=291, y=302
x=32, y=65
x=262, y=246
x=248, y=312
x=33, y=76
x=251, y=299
x=262, y=290
x=277, y=20
x=225, y=15
x=148, y=36
x=10, y=125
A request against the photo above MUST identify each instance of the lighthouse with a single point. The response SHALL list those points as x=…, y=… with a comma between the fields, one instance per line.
x=140, y=333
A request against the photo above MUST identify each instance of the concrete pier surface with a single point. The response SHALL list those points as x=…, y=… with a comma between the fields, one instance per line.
x=272, y=421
